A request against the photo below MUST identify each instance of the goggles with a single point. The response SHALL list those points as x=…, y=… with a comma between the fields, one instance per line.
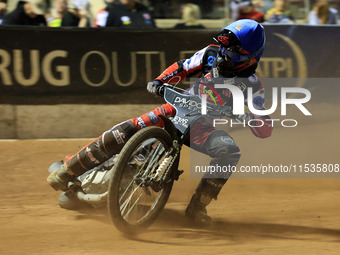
x=238, y=57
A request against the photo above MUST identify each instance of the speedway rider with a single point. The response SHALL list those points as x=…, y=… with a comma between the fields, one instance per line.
x=240, y=47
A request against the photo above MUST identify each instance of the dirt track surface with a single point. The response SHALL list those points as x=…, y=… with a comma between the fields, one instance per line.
x=262, y=216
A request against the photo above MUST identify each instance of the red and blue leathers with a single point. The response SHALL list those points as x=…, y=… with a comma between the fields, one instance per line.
x=204, y=138
x=201, y=63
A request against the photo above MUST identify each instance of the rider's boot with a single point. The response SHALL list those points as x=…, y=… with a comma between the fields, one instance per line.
x=196, y=210
x=69, y=201
x=60, y=178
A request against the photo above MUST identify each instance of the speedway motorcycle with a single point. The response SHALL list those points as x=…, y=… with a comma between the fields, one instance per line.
x=136, y=184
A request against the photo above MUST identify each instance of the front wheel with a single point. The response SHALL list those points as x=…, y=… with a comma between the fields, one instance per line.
x=134, y=202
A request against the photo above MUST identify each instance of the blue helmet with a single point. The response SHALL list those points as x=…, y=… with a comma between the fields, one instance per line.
x=242, y=40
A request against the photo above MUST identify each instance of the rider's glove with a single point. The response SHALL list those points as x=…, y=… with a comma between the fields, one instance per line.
x=155, y=87
x=246, y=117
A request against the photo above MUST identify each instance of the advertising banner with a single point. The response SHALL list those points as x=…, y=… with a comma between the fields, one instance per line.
x=107, y=66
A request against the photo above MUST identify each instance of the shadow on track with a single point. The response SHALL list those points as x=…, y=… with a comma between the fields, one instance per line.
x=173, y=225
x=177, y=229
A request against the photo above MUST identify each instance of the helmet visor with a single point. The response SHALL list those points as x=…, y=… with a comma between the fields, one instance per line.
x=235, y=55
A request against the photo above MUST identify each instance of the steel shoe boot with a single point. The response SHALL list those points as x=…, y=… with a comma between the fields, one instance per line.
x=60, y=178
x=196, y=210
x=68, y=200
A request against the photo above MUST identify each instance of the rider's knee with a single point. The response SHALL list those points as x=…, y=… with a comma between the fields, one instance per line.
x=113, y=140
x=227, y=154
x=222, y=147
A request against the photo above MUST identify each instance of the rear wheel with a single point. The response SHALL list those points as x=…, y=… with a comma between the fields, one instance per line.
x=135, y=196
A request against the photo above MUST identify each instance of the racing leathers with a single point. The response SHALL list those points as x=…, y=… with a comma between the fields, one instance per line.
x=203, y=137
